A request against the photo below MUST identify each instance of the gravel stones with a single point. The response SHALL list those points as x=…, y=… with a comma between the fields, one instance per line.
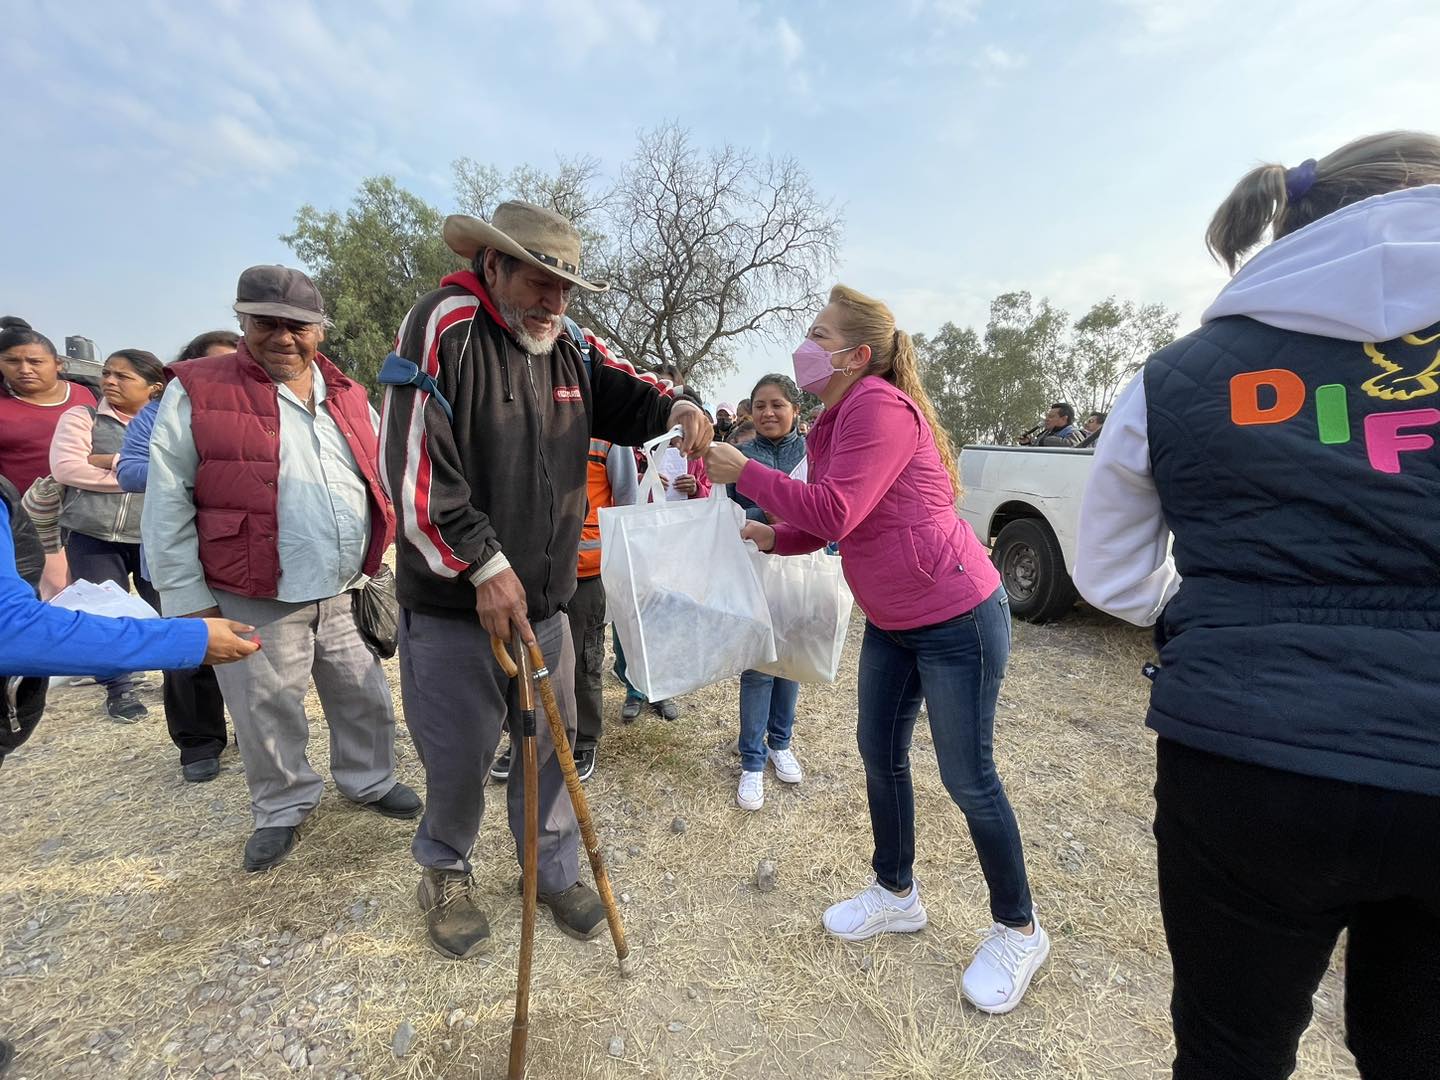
x=678, y=825
x=404, y=1039
x=617, y=1047
x=765, y=876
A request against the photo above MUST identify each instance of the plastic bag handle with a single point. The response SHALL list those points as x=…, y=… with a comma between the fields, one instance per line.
x=650, y=489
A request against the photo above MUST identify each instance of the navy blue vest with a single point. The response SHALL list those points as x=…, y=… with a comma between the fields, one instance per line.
x=1301, y=478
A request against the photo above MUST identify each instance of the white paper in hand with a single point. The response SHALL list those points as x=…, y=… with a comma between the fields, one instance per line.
x=672, y=465
x=106, y=598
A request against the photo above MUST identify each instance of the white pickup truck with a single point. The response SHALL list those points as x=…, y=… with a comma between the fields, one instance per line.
x=1024, y=501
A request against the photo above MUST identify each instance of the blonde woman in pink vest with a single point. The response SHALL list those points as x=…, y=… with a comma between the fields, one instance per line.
x=882, y=480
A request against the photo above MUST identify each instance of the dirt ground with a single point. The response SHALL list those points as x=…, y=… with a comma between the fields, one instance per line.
x=134, y=946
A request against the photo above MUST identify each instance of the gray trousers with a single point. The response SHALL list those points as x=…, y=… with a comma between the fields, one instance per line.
x=456, y=701
x=587, y=631
x=265, y=693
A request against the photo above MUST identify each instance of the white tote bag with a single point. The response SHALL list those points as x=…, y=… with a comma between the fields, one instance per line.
x=810, y=606
x=681, y=589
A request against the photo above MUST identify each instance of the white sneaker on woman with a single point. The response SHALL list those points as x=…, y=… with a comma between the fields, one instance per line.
x=875, y=910
x=787, y=768
x=1004, y=964
x=751, y=795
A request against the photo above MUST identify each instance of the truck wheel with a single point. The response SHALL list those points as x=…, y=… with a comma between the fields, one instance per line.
x=1032, y=569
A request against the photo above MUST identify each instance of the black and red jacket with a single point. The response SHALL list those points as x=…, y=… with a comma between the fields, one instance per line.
x=502, y=469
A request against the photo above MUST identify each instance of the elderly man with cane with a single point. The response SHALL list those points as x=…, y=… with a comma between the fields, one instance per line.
x=488, y=414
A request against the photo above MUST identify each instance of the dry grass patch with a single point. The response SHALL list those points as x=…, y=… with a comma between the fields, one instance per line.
x=135, y=947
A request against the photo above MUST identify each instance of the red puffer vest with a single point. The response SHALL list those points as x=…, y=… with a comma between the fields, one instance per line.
x=235, y=419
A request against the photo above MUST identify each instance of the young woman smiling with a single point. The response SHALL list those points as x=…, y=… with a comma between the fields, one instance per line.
x=767, y=703
x=882, y=481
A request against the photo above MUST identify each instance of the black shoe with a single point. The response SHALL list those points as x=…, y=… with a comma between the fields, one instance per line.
x=667, y=709
x=458, y=929
x=500, y=770
x=267, y=848
x=125, y=708
x=631, y=709
x=197, y=772
x=585, y=762
x=578, y=911
x=399, y=802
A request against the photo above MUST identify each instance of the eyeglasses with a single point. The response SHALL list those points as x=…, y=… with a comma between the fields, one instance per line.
x=268, y=324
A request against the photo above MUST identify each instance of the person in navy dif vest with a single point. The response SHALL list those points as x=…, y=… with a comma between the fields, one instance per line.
x=1289, y=446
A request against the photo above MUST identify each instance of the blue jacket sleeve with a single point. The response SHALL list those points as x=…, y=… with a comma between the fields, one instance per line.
x=133, y=468
x=37, y=639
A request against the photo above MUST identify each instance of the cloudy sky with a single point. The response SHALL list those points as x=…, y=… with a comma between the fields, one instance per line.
x=1074, y=149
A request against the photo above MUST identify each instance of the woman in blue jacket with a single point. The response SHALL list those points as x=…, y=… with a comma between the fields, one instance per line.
x=767, y=702
x=1288, y=445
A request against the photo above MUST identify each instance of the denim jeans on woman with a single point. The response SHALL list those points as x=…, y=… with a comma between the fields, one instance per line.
x=767, y=716
x=956, y=668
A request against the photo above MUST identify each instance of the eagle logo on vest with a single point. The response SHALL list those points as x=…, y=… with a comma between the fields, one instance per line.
x=1411, y=367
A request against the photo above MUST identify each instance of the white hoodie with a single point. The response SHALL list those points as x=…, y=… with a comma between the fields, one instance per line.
x=1368, y=272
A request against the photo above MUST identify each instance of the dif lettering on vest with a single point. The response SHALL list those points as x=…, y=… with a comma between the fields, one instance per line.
x=567, y=393
x=1410, y=368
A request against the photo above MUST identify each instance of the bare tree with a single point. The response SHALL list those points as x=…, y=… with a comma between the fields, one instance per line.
x=703, y=250
x=575, y=189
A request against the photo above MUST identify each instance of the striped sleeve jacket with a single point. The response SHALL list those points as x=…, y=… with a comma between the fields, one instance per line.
x=499, y=468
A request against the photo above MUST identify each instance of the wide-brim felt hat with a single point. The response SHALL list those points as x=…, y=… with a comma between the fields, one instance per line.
x=533, y=234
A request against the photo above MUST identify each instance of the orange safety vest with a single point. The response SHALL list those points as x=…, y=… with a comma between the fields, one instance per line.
x=597, y=489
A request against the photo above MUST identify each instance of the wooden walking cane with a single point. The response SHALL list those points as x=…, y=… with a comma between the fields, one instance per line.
x=581, y=804
x=522, y=672
x=566, y=758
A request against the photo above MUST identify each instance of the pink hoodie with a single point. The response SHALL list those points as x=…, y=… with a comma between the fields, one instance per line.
x=876, y=484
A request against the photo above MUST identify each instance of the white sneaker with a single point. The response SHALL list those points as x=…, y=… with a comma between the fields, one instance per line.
x=1004, y=964
x=787, y=769
x=875, y=910
x=751, y=795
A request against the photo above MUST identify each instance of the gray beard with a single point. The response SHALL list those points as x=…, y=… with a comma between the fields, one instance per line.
x=515, y=318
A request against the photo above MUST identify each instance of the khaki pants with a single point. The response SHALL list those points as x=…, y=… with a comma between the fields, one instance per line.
x=265, y=693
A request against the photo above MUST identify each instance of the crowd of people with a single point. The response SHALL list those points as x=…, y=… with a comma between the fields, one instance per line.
x=250, y=491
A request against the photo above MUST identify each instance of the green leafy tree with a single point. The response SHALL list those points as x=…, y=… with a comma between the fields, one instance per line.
x=991, y=388
x=371, y=263
x=1110, y=343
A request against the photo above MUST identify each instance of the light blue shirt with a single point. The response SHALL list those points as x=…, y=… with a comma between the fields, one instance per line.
x=323, y=505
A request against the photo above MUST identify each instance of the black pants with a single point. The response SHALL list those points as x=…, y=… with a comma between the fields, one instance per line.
x=1260, y=870
x=587, y=630
x=194, y=710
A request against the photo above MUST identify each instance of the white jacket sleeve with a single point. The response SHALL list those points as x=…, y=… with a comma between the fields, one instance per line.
x=1122, y=558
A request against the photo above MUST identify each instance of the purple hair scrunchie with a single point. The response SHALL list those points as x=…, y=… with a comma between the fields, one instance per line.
x=1300, y=179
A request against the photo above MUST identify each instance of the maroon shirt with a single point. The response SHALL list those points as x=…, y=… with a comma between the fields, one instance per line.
x=25, y=433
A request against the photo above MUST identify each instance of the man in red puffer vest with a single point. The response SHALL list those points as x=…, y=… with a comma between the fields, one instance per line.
x=263, y=498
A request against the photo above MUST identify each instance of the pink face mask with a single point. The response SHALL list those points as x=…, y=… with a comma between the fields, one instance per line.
x=812, y=365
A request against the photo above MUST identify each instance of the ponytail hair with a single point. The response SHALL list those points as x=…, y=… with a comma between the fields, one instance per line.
x=892, y=357
x=1277, y=200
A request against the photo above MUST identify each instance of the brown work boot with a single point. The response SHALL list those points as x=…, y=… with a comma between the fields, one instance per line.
x=578, y=911
x=458, y=929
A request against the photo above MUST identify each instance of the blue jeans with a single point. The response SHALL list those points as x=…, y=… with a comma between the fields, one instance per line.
x=619, y=668
x=956, y=667
x=767, y=708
